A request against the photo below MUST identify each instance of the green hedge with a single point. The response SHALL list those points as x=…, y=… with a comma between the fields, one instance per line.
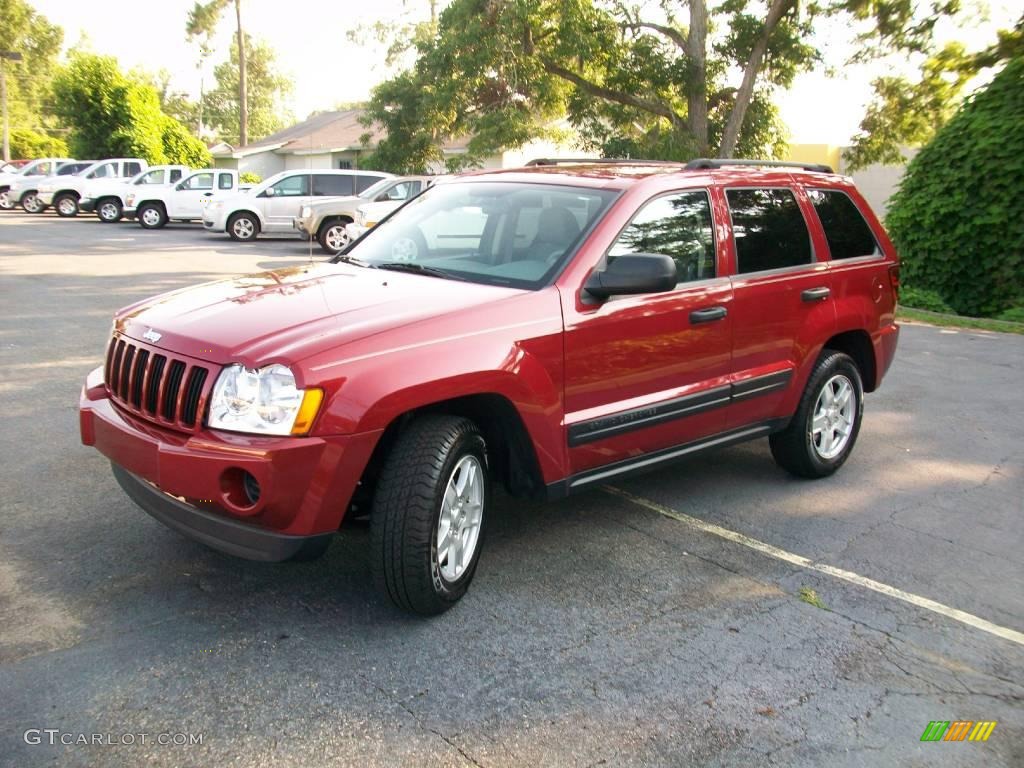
x=958, y=217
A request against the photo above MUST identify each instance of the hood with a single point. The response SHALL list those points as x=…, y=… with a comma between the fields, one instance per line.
x=289, y=314
x=331, y=202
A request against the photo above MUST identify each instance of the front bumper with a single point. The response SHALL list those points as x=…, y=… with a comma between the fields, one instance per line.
x=46, y=198
x=190, y=482
x=302, y=226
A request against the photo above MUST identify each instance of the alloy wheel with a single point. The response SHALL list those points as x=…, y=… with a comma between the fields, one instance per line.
x=458, y=526
x=832, y=420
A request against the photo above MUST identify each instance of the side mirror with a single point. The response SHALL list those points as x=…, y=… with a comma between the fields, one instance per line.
x=269, y=192
x=633, y=273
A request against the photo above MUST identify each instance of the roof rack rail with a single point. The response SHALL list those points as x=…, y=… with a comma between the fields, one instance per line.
x=608, y=160
x=706, y=163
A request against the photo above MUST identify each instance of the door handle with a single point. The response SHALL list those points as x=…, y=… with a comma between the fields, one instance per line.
x=707, y=315
x=815, y=294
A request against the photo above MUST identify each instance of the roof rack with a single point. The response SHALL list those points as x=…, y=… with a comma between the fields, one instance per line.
x=607, y=160
x=705, y=163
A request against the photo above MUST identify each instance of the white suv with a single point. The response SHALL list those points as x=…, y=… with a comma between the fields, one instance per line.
x=64, y=193
x=272, y=205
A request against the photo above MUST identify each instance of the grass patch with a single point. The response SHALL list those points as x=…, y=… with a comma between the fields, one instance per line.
x=958, y=321
x=810, y=597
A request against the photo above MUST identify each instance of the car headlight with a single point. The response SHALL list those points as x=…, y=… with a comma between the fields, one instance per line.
x=130, y=200
x=305, y=212
x=215, y=205
x=263, y=401
x=370, y=224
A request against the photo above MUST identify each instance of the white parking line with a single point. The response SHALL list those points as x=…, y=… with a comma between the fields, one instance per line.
x=780, y=554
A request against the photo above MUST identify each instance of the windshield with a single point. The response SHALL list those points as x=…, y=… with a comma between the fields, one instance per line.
x=499, y=233
x=270, y=181
x=371, y=192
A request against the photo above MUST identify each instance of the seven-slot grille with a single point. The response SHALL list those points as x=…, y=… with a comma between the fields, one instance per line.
x=161, y=387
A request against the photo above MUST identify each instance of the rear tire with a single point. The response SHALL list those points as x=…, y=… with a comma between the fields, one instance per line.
x=5, y=200
x=31, y=203
x=109, y=210
x=243, y=227
x=66, y=205
x=822, y=432
x=151, y=216
x=429, y=510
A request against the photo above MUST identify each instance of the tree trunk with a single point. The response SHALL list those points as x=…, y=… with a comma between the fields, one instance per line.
x=243, y=95
x=697, y=90
x=731, y=135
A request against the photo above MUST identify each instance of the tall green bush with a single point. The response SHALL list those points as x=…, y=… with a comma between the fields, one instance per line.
x=958, y=217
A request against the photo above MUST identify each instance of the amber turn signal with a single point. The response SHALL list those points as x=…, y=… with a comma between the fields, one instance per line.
x=311, y=400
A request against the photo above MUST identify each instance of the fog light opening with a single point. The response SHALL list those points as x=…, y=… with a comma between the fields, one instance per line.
x=251, y=488
x=240, y=490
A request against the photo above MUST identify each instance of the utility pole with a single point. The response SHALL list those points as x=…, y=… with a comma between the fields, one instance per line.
x=6, y=56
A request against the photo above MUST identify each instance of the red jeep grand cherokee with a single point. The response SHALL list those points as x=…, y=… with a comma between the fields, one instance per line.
x=551, y=328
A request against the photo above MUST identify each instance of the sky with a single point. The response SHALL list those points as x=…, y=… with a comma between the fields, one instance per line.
x=312, y=46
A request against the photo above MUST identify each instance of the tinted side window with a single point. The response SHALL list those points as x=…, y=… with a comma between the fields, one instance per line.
x=175, y=174
x=329, y=184
x=199, y=181
x=365, y=182
x=105, y=171
x=131, y=169
x=847, y=233
x=678, y=225
x=153, y=177
x=224, y=181
x=769, y=229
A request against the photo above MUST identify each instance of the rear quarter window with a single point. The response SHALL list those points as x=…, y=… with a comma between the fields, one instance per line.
x=846, y=231
x=330, y=184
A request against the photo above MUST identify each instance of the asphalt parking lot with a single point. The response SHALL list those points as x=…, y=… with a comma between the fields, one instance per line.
x=621, y=627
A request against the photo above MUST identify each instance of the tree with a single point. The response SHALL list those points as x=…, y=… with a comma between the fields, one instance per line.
x=956, y=218
x=27, y=144
x=669, y=79
x=25, y=32
x=112, y=115
x=267, y=92
x=202, y=21
x=909, y=112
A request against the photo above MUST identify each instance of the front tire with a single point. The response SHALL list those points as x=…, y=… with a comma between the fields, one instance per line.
x=333, y=236
x=5, y=200
x=31, y=203
x=66, y=205
x=426, y=526
x=109, y=211
x=243, y=227
x=151, y=216
x=821, y=435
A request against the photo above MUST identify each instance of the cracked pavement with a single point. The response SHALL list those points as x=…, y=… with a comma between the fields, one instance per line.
x=596, y=632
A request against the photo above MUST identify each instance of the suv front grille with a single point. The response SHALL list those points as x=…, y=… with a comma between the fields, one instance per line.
x=166, y=388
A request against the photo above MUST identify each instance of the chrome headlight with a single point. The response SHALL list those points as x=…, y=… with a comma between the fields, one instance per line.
x=305, y=212
x=264, y=401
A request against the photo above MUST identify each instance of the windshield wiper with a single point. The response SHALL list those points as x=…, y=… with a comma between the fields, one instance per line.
x=351, y=260
x=418, y=269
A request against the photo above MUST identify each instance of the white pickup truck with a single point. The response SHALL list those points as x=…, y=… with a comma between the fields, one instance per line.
x=184, y=201
x=63, y=193
x=107, y=198
x=44, y=166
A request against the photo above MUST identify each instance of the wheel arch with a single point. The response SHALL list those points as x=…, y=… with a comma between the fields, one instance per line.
x=326, y=221
x=857, y=344
x=241, y=211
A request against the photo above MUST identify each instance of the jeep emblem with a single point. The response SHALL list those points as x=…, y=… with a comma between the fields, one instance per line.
x=151, y=335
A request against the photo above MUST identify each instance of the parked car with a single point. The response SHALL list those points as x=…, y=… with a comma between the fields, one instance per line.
x=41, y=167
x=24, y=189
x=327, y=220
x=272, y=205
x=65, y=193
x=184, y=201
x=108, y=199
x=551, y=328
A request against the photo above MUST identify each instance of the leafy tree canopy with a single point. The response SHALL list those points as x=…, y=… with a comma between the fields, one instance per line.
x=112, y=115
x=956, y=219
x=28, y=82
x=267, y=91
x=668, y=79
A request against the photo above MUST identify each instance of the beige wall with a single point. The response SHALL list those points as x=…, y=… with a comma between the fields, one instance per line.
x=878, y=182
